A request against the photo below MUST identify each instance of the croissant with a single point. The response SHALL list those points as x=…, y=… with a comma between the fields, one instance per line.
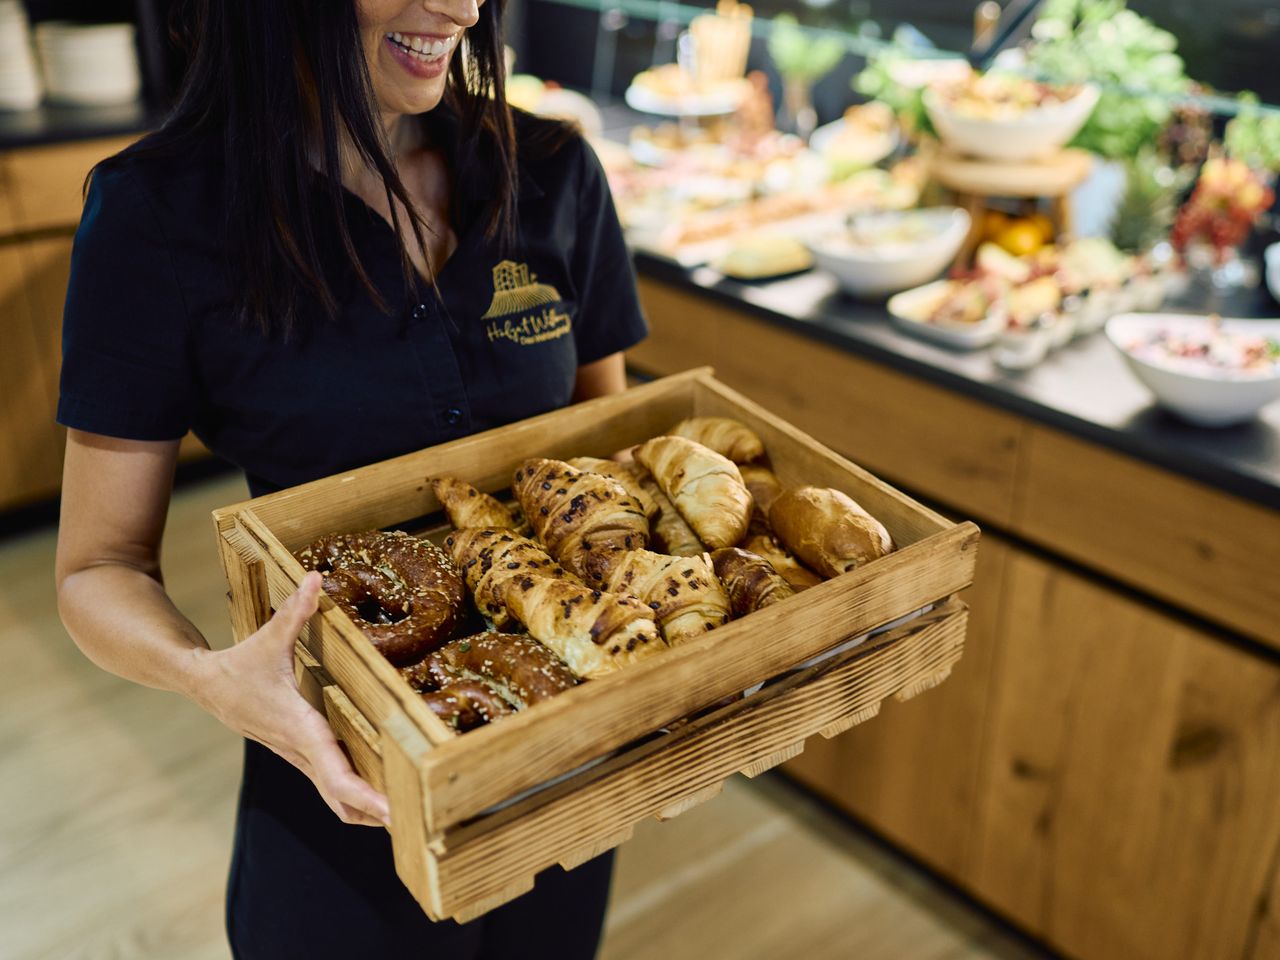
x=749, y=580
x=828, y=530
x=764, y=487
x=489, y=559
x=466, y=507
x=623, y=474
x=727, y=437
x=788, y=567
x=669, y=532
x=706, y=488
x=573, y=513
x=683, y=592
x=593, y=631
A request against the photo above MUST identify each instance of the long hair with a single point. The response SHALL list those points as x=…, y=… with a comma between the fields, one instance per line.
x=284, y=84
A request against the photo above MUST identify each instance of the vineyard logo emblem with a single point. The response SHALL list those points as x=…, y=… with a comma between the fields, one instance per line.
x=522, y=309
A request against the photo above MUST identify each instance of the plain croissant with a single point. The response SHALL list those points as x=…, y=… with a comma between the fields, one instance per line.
x=624, y=474
x=467, y=507
x=683, y=592
x=749, y=580
x=726, y=436
x=574, y=513
x=668, y=531
x=764, y=486
x=828, y=530
x=705, y=486
x=593, y=631
x=490, y=558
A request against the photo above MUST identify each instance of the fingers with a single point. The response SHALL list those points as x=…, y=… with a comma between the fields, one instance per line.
x=294, y=612
x=346, y=794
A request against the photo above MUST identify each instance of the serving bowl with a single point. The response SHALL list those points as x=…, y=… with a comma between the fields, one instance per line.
x=1033, y=133
x=877, y=269
x=1192, y=391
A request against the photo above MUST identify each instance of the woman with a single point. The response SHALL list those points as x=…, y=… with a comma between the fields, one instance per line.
x=340, y=247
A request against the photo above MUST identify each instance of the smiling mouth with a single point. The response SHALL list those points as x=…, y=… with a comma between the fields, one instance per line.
x=422, y=48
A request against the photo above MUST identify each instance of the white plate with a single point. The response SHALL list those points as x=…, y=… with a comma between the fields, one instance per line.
x=693, y=105
x=876, y=148
x=906, y=306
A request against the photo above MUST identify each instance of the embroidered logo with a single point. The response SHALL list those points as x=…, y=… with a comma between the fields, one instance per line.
x=514, y=313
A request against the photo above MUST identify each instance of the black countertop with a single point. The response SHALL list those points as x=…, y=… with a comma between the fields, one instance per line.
x=56, y=123
x=1083, y=388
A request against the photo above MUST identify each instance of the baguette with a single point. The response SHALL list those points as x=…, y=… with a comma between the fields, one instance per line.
x=706, y=488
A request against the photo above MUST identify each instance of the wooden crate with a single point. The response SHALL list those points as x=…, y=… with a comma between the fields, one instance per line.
x=473, y=817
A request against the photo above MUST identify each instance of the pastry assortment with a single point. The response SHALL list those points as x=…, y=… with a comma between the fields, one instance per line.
x=625, y=559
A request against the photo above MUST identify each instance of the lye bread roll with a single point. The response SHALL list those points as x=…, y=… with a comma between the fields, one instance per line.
x=726, y=436
x=827, y=529
x=705, y=487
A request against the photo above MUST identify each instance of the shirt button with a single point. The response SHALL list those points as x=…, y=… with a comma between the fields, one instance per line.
x=453, y=416
x=419, y=312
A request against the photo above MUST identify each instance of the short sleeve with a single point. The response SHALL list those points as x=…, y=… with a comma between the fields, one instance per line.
x=125, y=369
x=609, y=317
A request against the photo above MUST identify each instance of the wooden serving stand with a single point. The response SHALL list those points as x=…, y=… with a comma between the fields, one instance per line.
x=474, y=817
x=974, y=181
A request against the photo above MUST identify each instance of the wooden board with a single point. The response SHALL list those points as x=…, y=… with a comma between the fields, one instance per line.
x=1182, y=541
x=946, y=446
x=1132, y=771
x=447, y=780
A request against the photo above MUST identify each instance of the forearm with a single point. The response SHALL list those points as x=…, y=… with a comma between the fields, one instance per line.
x=123, y=620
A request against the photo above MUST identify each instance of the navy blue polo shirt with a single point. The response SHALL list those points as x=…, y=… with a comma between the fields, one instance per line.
x=152, y=347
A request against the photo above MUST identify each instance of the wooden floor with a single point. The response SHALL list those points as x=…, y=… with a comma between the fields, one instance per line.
x=117, y=818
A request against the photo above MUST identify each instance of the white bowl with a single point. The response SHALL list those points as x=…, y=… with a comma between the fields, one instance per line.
x=907, y=308
x=883, y=269
x=1034, y=133
x=1208, y=401
x=1271, y=260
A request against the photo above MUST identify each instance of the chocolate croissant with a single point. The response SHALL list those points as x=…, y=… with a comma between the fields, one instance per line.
x=828, y=530
x=669, y=533
x=706, y=488
x=788, y=567
x=621, y=472
x=468, y=508
x=749, y=580
x=489, y=559
x=683, y=592
x=726, y=436
x=593, y=631
x=573, y=513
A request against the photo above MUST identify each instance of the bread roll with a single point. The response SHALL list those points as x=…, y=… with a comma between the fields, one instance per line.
x=827, y=530
x=705, y=486
x=726, y=436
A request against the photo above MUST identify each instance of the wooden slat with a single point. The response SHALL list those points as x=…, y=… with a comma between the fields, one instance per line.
x=403, y=749
x=959, y=451
x=243, y=564
x=930, y=805
x=483, y=858
x=1186, y=543
x=1132, y=771
x=476, y=771
x=47, y=181
x=396, y=490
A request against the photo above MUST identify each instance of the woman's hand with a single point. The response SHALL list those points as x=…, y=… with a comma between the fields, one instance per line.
x=250, y=688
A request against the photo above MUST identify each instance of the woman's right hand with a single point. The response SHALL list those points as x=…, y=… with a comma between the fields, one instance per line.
x=250, y=688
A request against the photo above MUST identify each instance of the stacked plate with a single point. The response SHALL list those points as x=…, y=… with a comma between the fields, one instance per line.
x=89, y=64
x=19, y=81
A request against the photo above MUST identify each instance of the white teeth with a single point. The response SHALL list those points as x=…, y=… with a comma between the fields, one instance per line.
x=417, y=43
x=421, y=48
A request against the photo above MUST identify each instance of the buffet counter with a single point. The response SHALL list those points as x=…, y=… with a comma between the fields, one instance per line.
x=1102, y=767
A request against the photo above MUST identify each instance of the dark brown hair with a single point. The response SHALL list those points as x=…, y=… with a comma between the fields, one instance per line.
x=275, y=80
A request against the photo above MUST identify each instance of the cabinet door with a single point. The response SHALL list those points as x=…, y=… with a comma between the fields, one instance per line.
x=912, y=772
x=1131, y=787
x=30, y=445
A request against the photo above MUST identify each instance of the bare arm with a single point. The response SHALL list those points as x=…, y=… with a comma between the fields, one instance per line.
x=604, y=376
x=111, y=596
